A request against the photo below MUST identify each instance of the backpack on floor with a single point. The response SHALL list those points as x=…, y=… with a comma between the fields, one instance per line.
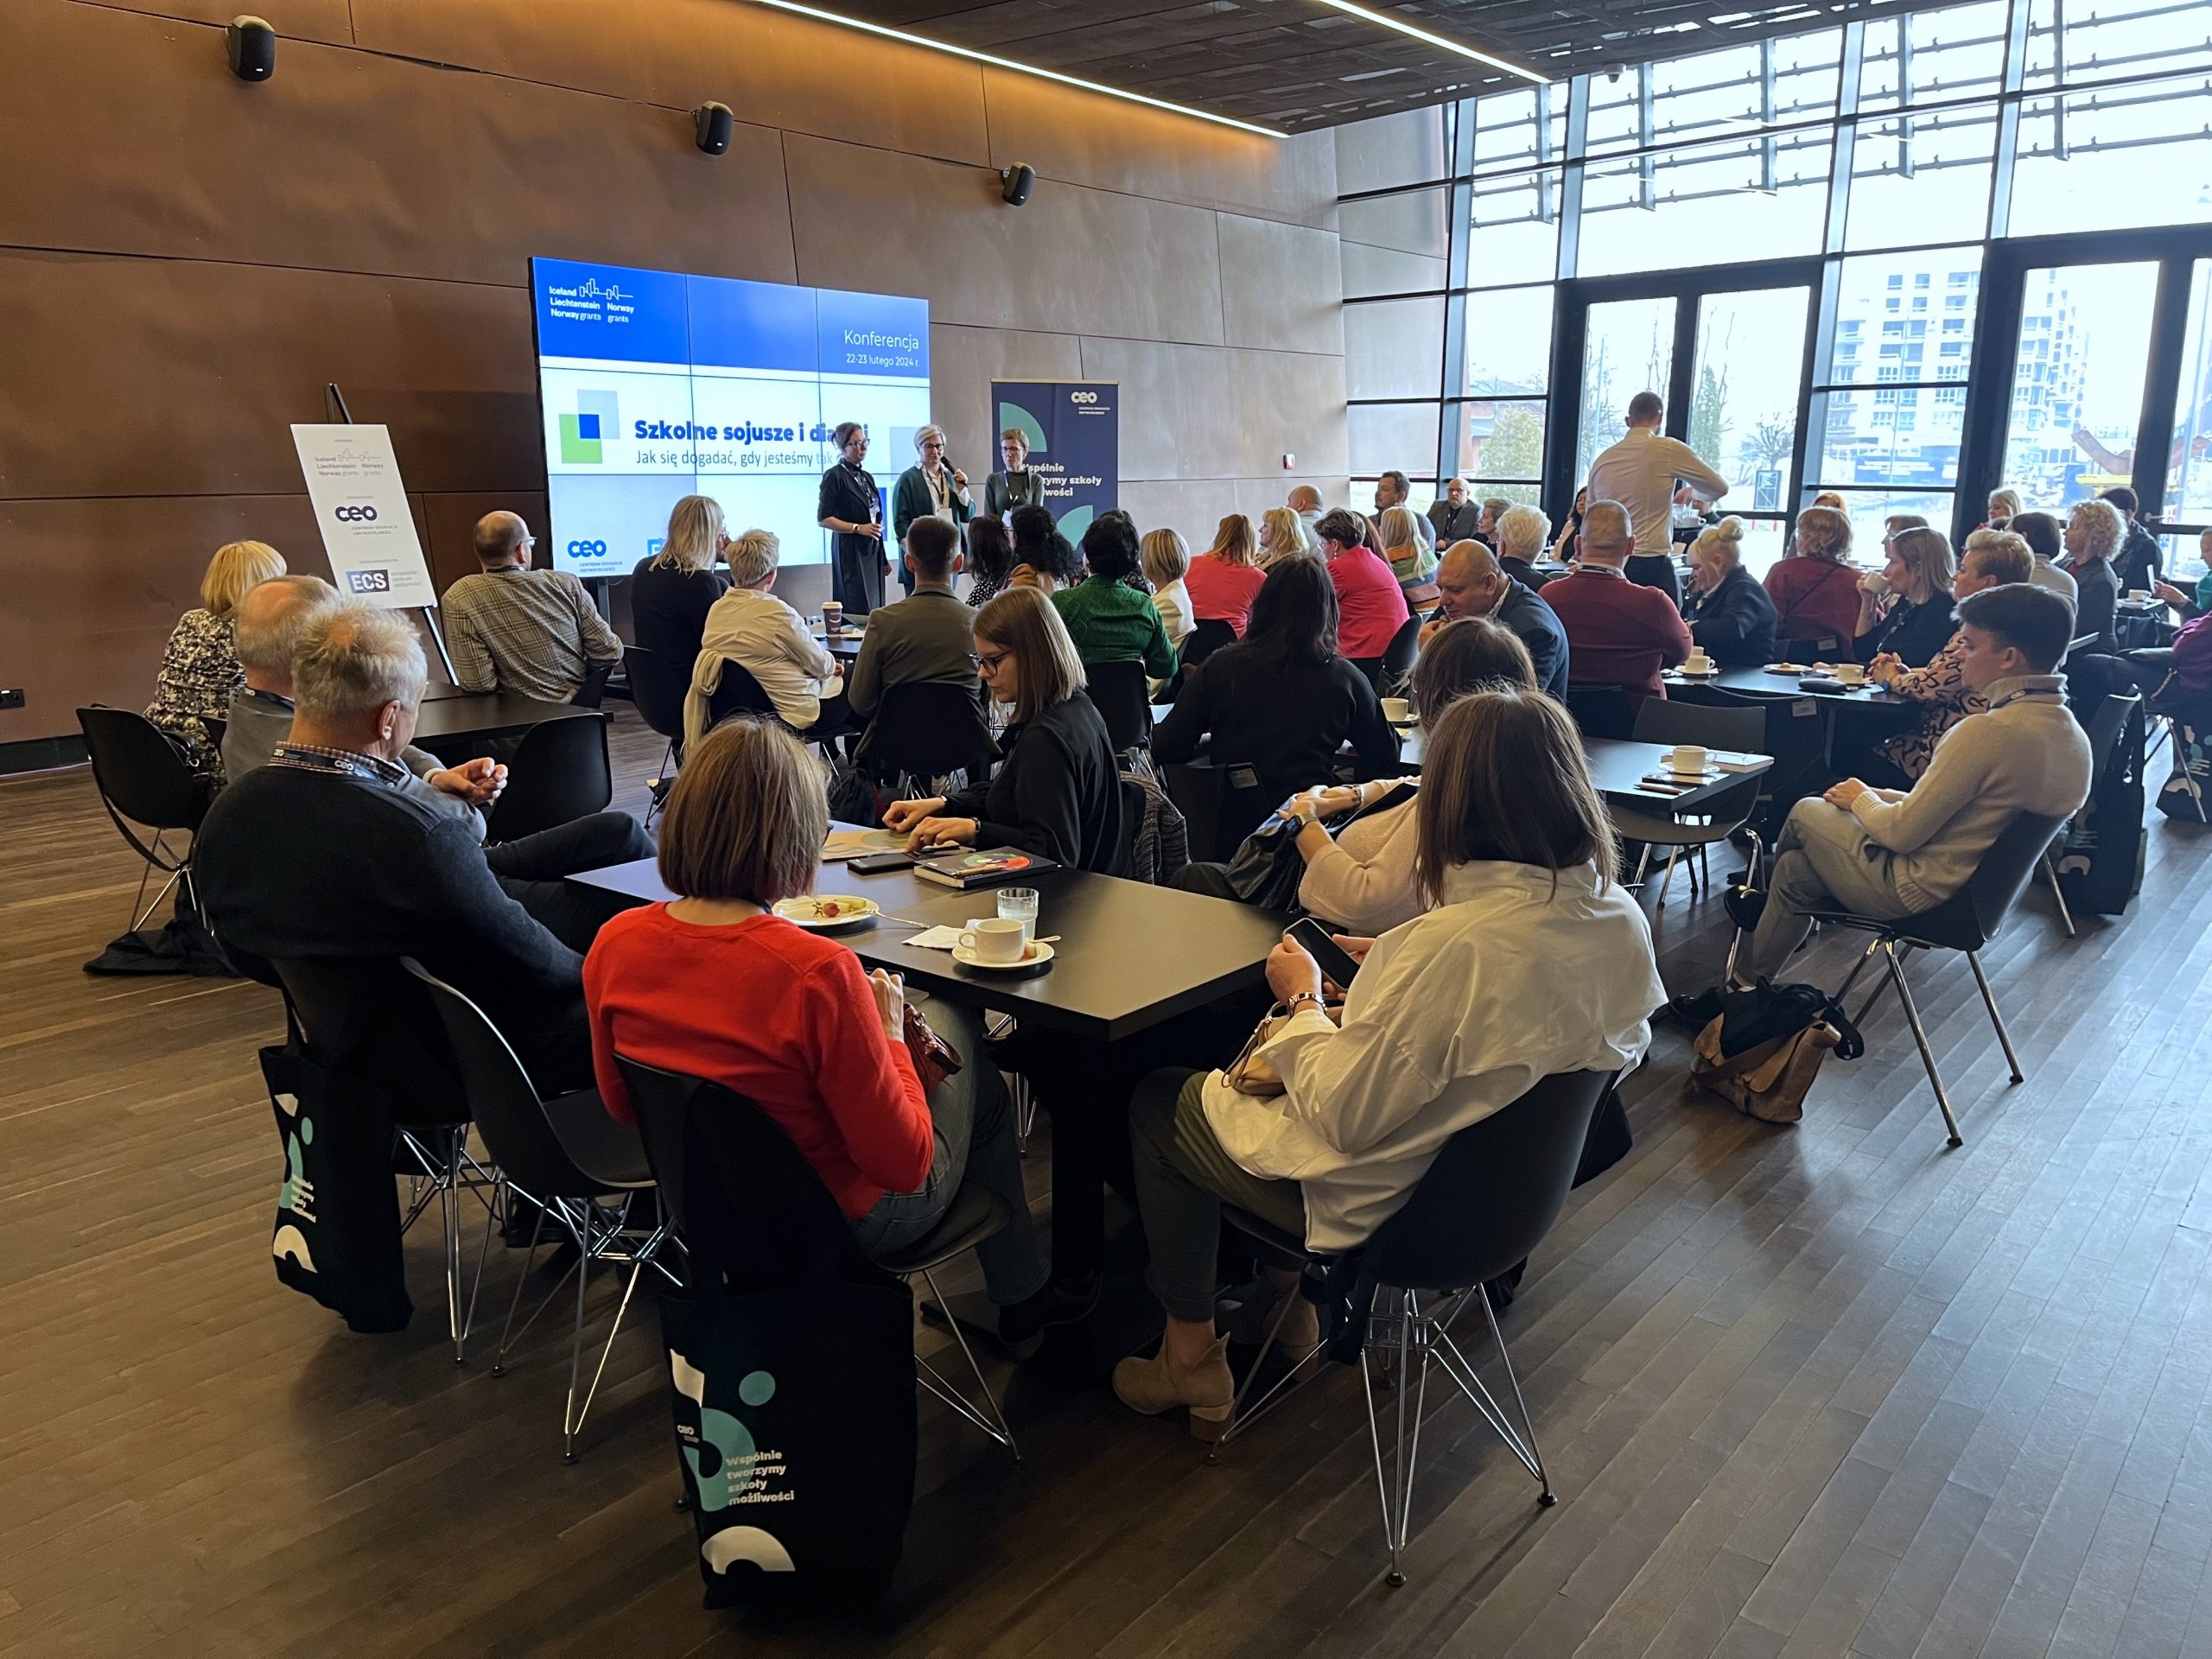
x=2101, y=861
x=1763, y=1049
x=2184, y=797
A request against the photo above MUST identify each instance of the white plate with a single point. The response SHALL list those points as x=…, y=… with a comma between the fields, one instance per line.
x=1788, y=668
x=852, y=910
x=1038, y=953
x=1712, y=673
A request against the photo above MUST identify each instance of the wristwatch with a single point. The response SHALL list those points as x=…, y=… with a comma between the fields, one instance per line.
x=1297, y=997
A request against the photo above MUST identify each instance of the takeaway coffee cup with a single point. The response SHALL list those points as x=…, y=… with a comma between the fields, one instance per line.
x=833, y=616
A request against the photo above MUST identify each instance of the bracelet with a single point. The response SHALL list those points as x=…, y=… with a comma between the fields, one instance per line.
x=1297, y=997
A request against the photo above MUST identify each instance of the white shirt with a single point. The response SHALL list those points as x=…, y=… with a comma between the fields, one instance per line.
x=1639, y=472
x=1173, y=604
x=771, y=641
x=1454, y=1016
x=2062, y=582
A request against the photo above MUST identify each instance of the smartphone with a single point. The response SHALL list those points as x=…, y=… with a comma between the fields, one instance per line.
x=877, y=863
x=1335, y=961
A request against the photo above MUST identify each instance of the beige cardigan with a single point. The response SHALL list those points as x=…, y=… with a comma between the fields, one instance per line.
x=1363, y=880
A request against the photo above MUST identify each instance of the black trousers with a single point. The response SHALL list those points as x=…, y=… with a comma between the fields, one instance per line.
x=532, y=871
x=1654, y=570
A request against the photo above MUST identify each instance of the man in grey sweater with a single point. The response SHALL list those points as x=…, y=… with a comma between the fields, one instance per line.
x=1886, y=852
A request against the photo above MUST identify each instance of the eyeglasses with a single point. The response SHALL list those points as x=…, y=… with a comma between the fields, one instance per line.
x=991, y=661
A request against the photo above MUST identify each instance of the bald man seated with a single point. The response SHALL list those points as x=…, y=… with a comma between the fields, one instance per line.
x=1471, y=583
x=511, y=628
x=1306, y=502
x=1622, y=633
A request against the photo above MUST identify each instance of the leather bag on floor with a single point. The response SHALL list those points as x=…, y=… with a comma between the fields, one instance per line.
x=1764, y=1050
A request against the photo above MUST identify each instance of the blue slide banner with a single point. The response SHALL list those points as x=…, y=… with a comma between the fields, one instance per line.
x=1075, y=439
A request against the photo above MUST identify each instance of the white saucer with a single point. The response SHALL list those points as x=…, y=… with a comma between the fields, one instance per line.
x=1037, y=956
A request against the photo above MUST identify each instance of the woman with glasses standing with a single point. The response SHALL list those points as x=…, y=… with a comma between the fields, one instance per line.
x=850, y=507
x=929, y=489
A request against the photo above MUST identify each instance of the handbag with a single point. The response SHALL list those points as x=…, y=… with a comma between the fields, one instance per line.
x=336, y=1237
x=1781, y=1033
x=1252, y=1072
x=934, y=1059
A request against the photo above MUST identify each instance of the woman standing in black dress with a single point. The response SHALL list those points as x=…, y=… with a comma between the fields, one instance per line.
x=851, y=509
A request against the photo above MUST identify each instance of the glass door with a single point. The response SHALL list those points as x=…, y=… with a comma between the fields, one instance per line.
x=1628, y=346
x=2082, y=363
x=1746, y=386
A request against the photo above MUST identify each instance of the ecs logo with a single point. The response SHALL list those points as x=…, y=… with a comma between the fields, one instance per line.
x=368, y=581
x=354, y=515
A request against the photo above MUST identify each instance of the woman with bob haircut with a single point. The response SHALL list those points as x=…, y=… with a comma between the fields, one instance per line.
x=1532, y=961
x=199, y=666
x=672, y=590
x=990, y=560
x=714, y=984
x=1058, y=792
x=1815, y=590
x=1906, y=613
x=1224, y=579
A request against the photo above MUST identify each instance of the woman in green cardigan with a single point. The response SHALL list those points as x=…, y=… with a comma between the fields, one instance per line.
x=929, y=489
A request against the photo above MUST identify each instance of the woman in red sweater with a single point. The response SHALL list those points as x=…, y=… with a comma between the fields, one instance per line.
x=1224, y=581
x=1372, y=604
x=715, y=985
x=1815, y=590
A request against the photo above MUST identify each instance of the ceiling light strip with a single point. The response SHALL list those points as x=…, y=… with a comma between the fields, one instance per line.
x=1023, y=68
x=1405, y=27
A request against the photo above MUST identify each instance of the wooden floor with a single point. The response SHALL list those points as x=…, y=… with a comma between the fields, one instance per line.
x=1833, y=1389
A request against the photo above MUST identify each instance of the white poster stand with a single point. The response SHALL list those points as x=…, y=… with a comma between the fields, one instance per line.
x=368, y=530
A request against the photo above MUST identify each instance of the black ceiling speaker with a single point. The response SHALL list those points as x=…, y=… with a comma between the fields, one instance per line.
x=1019, y=180
x=711, y=127
x=252, y=46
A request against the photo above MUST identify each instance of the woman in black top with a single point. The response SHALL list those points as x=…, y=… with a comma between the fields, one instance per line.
x=851, y=508
x=1058, y=792
x=1911, y=619
x=1279, y=703
x=672, y=590
x=1039, y=548
x=990, y=560
x=2095, y=532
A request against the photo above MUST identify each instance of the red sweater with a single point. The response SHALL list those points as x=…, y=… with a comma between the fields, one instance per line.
x=777, y=1014
x=1372, y=603
x=1617, y=633
x=1813, y=599
x=1222, y=591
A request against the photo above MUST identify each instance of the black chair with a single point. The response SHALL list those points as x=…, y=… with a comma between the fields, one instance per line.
x=1828, y=648
x=216, y=727
x=1967, y=921
x=559, y=774
x=1486, y=1203
x=1398, y=658
x=1664, y=720
x=2109, y=728
x=759, y=1227
x=737, y=693
x=1205, y=638
x=592, y=691
x=1600, y=710
x=659, y=690
x=1218, y=813
x=570, y=1159
x=923, y=732
x=340, y=1006
x=145, y=778
x=1123, y=697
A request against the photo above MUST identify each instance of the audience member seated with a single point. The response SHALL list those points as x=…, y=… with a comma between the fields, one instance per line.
x=2192, y=605
x=1568, y=549
x=1224, y=579
x=1472, y=581
x=926, y=638
x=1282, y=701
x=714, y=984
x=1495, y=507
x=1519, y=536
x=1412, y=561
x=751, y=627
x=1618, y=632
x=536, y=633
x=1728, y=612
x=270, y=620
x=1284, y=535
x=199, y=668
x=1058, y=792
x=2045, y=538
x=1533, y=962
x=2138, y=565
x=672, y=590
x=1365, y=879
x=1815, y=590
x=1109, y=620
x=1993, y=558
x=1885, y=853
x=1905, y=611
x=2095, y=532
x=1830, y=499
x=325, y=852
x=1043, y=558
x=1166, y=560
x=1305, y=501
x=2003, y=504
x=1370, y=603
x=990, y=559
x=1455, y=516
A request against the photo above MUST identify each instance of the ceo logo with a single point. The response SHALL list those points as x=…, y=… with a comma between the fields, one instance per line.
x=368, y=582
x=355, y=515
x=1082, y=397
x=587, y=550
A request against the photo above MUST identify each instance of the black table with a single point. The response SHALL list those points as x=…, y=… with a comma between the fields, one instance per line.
x=453, y=727
x=844, y=647
x=1619, y=768
x=1129, y=957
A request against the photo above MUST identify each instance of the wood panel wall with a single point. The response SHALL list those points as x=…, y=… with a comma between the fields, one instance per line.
x=185, y=259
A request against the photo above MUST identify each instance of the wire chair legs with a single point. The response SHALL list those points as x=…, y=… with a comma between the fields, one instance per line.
x=2050, y=875
x=994, y=1424
x=446, y=1171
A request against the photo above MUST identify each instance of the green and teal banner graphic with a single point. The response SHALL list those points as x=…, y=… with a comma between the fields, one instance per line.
x=1075, y=439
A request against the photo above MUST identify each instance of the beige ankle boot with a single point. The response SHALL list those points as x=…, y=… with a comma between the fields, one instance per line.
x=1158, y=1384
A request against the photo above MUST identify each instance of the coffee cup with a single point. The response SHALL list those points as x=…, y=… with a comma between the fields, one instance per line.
x=997, y=940
x=1874, y=582
x=1850, y=673
x=1687, y=757
x=833, y=616
x=1397, y=710
x=2138, y=594
x=1698, y=662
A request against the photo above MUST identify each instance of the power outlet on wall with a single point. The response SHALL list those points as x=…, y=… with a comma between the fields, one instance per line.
x=11, y=696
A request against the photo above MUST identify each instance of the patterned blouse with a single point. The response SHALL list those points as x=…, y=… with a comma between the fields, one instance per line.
x=1945, y=700
x=199, y=670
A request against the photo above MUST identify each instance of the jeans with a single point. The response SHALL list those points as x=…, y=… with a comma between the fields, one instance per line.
x=531, y=870
x=974, y=1126
x=1824, y=861
x=1183, y=1179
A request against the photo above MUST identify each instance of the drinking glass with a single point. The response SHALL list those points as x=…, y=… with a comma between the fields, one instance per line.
x=1020, y=905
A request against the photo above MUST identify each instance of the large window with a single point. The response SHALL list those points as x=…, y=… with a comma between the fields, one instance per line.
x=1796, y=242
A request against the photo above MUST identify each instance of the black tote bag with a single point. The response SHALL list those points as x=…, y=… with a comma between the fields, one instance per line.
x=791, y=1361
x=336, y=1237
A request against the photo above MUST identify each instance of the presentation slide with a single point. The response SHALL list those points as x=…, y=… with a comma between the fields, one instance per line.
x=653, y=385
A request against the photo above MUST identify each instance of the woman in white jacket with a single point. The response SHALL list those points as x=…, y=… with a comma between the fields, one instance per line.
x=1534, y=962
x=750, y=626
